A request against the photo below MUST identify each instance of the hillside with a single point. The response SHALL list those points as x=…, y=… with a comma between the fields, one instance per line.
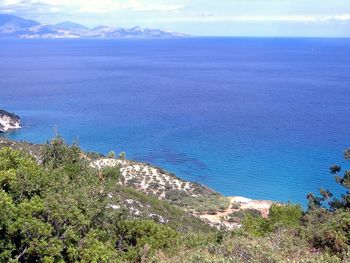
x=15, y=21
x=60, y=204
x=200, y=201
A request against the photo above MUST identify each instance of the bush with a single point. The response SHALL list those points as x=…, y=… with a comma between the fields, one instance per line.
x=203, y=204
x=285, y=216
x=142, y=238
x=280, y=216
x=239, y=216
x=57, y=153
x=52, y=208
x=176, y=196
x=328, y=231
x=256, y=226
x=61, y=211
x=20, y=175
x=112, y=172
x=236, y=206
x=282, y=246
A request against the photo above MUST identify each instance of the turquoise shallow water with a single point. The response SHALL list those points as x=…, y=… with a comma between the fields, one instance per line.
x=262, y=118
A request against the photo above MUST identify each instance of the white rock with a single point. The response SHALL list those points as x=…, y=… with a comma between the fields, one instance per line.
x=9, y=121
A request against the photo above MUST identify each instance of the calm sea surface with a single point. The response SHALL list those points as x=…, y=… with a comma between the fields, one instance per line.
x=261, y=118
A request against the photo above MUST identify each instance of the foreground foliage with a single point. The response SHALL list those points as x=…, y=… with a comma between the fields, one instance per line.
x=62, y=210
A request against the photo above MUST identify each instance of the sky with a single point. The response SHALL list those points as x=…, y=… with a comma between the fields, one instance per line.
x=285, y=18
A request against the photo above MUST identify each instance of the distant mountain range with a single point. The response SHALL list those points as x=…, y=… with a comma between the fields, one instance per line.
x=17, y=27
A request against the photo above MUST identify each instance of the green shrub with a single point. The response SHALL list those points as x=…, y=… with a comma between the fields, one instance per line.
x=57, y=153
x=239, y=216
x=280, y=216
x=256, y=226
x=135, y=236
x=203, y=204
x=282, y=246
x=111, y=172
x=328, y=231
x=236, y=206
x=176, y=196
x=285, y=215
x=51, y=208
x=61, y=211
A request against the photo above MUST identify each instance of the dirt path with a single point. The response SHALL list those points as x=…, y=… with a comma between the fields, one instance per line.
x=236, y=204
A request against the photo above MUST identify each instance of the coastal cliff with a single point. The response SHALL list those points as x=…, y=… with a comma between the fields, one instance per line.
x=9, y=121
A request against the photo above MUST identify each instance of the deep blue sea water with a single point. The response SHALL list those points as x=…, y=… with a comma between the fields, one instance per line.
x=261, y=118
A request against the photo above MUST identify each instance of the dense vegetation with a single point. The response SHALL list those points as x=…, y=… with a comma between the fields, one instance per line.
x=62, y=210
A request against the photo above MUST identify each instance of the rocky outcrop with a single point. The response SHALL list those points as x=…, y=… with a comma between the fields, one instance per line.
x=9, y=121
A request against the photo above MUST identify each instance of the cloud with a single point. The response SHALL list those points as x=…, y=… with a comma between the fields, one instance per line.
x=206, y=14
x=265, y=18
x=345, y=17
x=87, y=6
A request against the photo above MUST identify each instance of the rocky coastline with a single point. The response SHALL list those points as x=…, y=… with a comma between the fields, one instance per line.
x=9, y=121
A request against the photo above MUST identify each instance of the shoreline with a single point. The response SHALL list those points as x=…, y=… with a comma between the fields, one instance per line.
x=166, y=186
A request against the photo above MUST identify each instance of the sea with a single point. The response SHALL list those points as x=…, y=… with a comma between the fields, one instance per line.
x=262, y=118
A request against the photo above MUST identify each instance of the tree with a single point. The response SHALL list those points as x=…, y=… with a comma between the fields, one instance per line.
x=111, y=155
x=122, y=155
x=327, y=222
x=280, y=216
x=56, y=211
x=326, y=199
x=57, y=153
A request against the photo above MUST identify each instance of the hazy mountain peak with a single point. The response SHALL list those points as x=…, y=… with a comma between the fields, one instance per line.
x=11, y=20
x=13, y=26
x=136, y=28
x=70, y=25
